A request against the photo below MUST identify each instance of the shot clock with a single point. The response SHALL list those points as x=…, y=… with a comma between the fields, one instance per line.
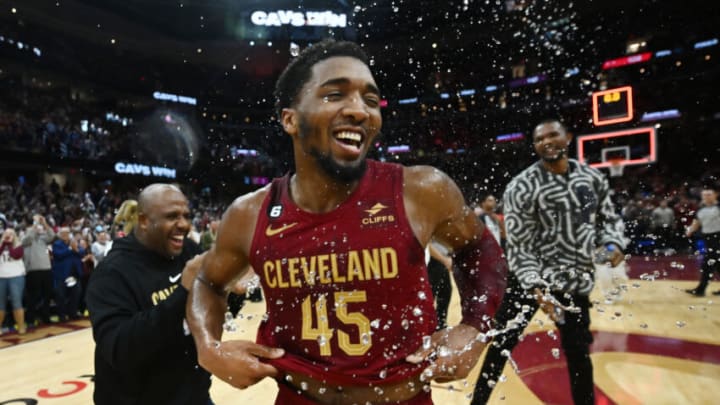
x=612, y=106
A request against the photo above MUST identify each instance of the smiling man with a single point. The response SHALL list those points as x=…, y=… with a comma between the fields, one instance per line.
x=136, y=298
x=559, y=220
x=339, y=244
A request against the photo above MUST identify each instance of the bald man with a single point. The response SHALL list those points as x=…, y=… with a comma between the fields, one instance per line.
x=136, y=298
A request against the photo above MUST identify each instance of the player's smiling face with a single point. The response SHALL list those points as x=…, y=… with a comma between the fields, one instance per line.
x=338, y=116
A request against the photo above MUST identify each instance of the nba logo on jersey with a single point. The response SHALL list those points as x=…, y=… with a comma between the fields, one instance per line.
x=276, y=211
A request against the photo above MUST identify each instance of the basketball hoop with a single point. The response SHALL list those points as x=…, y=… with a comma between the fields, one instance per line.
x=616, y=167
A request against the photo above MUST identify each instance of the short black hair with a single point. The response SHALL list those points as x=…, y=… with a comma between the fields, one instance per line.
x=298, y=71
x=551, y=120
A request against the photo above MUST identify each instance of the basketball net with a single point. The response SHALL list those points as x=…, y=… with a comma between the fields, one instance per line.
x=616, y=168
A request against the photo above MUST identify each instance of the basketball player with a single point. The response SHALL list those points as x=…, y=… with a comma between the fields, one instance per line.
x=557, y=213
x=339, y=246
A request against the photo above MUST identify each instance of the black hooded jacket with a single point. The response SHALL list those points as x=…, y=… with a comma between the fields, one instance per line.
x=144, y=352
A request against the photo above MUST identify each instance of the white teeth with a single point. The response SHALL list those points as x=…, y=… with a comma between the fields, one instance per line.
x=350, y=136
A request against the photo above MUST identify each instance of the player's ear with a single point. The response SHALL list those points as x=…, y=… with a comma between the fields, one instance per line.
x=569, y=137
x=289, y=120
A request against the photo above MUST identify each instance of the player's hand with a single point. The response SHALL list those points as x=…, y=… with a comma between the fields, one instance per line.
x=190, y=271
x=238, y=362
x=548, y=305
x=452, y=354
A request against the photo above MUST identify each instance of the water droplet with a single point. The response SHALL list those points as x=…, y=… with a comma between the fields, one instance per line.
x=304, y=386
x=643, y=325
x=443, y=351
x=555, y=353
x=680, y=324
x=417, y=311
x=427, y=342
x=322, y=340
x=405, y=324
x=422, y=295
x=322, y=390
x=375, y=324
x=378, y=390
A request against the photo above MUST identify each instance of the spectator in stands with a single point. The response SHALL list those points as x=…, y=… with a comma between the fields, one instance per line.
x=101, y=246
x=208, y=237
x=87, y=265
x=492, y=220
x=39, y=274
x=12, y=278
x=663, y=225
x=126, y=217
x=67, y=269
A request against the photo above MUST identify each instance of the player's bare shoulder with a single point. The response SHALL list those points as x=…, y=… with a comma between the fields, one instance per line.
x=428, y=184
x=238, y=223
x=431, y=198
x=248, y=204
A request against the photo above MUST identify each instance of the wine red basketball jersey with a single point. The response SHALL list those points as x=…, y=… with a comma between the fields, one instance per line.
x=347, y=292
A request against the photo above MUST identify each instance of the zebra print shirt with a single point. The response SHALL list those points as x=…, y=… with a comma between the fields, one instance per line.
x=554, y=223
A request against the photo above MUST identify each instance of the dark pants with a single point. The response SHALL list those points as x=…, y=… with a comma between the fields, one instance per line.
x=575, y=336
x=235, y=302
x=39, y=288
x=439, y=278
x=711, y=260
x=67, y=300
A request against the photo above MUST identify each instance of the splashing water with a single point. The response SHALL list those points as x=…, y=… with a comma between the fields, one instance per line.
x=506, y=353
x=229, y=325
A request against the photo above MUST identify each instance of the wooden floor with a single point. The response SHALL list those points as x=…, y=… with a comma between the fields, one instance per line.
x=658, y=345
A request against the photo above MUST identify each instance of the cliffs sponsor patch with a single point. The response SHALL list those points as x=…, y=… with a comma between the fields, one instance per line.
x=378, y=214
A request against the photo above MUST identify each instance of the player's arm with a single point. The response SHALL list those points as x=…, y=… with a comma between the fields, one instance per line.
x=235, y=362
x=480, y=269
x=437, y=209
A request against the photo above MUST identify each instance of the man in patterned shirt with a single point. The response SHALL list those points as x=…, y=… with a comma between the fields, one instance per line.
x=559, y=219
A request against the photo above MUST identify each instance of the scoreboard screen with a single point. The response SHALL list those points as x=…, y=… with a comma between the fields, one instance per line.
x=612, y=106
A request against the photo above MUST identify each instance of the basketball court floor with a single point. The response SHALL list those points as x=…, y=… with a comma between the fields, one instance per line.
x=657, y=345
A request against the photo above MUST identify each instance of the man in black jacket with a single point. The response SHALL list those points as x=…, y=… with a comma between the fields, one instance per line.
x=144, y=352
